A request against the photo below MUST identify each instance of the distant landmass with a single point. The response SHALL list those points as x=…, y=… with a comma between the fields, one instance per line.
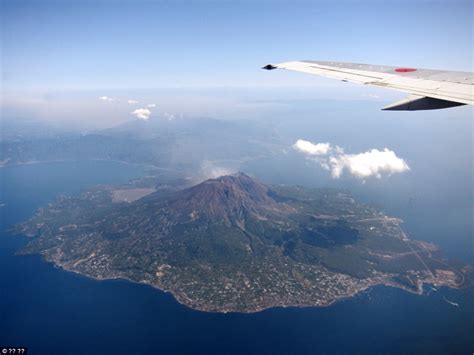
x=184, y=144
x=233, y=244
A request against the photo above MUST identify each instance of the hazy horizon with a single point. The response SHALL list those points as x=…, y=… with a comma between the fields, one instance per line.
x=204, y=58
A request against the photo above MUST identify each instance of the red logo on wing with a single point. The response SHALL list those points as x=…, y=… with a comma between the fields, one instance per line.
x=404, y=70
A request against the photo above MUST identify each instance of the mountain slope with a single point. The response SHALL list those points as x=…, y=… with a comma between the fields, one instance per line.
x=235, y=244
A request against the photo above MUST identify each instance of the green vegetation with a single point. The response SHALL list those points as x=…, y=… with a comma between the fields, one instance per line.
x=234, y=244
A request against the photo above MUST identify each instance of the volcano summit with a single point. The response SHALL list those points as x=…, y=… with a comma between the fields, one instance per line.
x=235, y=244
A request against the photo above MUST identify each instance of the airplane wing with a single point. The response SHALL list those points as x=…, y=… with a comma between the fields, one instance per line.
x=428, y=89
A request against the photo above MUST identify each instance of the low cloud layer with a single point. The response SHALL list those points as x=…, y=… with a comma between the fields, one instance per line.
x=142, y=113
x=372, y=163
x=132, y=102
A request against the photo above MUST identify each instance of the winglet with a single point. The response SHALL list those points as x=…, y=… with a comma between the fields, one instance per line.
x=402, y=105
x=269, y=67
x=417, y=103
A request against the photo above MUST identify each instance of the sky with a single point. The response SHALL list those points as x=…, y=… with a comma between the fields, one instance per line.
x=54, y=52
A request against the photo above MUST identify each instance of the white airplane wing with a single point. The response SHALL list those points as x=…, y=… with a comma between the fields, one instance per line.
x=429, y=89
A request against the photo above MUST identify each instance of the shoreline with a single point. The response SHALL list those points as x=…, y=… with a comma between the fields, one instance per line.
x=179, y=300
x=34, y=162
x=265, y=302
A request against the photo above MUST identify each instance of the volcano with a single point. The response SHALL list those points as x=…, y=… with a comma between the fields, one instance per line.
x=236, y=244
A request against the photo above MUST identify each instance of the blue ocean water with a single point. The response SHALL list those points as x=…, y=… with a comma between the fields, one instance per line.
x=56, y=312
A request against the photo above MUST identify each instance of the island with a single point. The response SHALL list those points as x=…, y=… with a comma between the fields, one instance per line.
x=234, y=244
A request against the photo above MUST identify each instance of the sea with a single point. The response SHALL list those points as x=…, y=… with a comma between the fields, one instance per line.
x=51, y=311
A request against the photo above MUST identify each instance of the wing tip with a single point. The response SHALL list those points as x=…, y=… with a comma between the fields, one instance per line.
x=419, y=103
x=269, y=67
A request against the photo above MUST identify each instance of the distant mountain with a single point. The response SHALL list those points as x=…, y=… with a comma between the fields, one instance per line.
x=184, y=144
x=157, y=127
x=21, y=129
x=235, y=244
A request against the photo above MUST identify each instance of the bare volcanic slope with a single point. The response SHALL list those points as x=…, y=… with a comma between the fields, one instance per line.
x=235, y=244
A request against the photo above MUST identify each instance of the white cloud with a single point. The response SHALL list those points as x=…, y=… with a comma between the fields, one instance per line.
x=312, y=149
x=151, y=105
x=132, y=102
x=372, y=163
x=142, y=113
x=106, y=98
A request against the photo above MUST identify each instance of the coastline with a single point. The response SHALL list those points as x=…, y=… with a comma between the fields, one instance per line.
x=34, y=162
x=182, y=300
x=256, y=307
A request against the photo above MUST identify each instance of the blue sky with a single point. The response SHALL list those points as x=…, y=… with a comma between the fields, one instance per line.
x=204, y=58
x=111, y=44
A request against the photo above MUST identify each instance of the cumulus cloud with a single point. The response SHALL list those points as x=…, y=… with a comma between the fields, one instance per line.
x=372, y=163
x=132, y=102
x=142, y=113
x=106, y=98
x=151, y=105
x=312, y=149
